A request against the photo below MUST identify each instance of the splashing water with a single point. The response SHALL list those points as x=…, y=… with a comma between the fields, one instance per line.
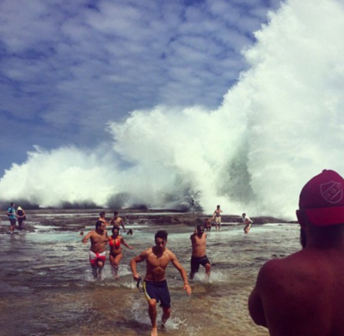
x=281, y=124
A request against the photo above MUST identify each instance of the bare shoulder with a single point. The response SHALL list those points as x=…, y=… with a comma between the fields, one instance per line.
x=170, y=254
x=144, y=255
x=278, y=273
x=147, y=252
x=270, y=268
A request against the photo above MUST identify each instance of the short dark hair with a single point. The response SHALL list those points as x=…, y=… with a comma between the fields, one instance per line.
x=199, y=225
x=102, y=213
x=12, y=203
x=161, y=234
x=115, y=228
x=115, y=213
x=99, y=224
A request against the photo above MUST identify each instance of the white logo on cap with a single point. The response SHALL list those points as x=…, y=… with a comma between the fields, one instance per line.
x=332, y=192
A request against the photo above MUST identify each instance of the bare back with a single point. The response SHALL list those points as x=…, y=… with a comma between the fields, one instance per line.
x=198, y=245
x=290, y=305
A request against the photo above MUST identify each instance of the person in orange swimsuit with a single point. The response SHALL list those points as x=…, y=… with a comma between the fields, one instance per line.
x=116, y=254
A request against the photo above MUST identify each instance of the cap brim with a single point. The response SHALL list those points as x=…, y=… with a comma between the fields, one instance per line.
x=325, y=216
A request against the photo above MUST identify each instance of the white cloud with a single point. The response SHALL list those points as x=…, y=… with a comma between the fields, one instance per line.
x=68, y=69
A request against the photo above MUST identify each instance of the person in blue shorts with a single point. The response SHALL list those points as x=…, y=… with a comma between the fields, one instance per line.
x=11, y=214
x=155, y=286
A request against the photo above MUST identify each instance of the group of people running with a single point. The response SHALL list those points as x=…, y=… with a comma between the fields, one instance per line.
x=157, y=258
x=300, y=294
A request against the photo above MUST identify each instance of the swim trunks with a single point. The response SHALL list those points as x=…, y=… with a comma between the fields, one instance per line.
x=195, y=262
x=218, y=220
x=158, y=291
x=94, y=257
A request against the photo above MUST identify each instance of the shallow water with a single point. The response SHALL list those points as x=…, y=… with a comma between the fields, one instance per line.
x=47, y=288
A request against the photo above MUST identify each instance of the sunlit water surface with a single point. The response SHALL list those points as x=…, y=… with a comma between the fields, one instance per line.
x=47, y=288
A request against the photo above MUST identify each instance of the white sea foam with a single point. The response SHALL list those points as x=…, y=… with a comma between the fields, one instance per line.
x=280, y=125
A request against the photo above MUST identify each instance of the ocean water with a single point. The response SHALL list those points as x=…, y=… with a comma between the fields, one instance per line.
x=46, y=285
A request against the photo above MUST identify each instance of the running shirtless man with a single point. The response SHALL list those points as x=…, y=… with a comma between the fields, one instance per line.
x=199, y=257
x=117, y=221
x=155, y=286
x=217, y=217
x=97, y=254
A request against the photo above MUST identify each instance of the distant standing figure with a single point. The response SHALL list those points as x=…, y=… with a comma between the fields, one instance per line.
x=20, y=214
x=102, y=218
x=217, y=217
x=155, y=286
x=248, y=223
x=11, y=214
x=199, y=257
x=117, y=221
x=97, y=254
x=130, y=232
x=116, y=254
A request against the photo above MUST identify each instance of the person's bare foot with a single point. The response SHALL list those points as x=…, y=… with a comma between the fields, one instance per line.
x=154, y=331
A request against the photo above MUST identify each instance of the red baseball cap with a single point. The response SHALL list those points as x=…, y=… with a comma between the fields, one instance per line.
x=322, y=199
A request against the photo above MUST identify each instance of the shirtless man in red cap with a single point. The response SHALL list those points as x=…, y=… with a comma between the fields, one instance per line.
x=303, y=294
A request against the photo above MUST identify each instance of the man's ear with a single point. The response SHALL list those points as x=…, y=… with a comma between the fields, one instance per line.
x=301, y=217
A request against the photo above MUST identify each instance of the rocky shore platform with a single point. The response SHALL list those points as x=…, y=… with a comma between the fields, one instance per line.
x=79, y=219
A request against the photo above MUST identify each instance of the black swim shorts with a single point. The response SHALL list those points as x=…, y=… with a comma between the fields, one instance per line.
x=195, y=262
x=158, y=291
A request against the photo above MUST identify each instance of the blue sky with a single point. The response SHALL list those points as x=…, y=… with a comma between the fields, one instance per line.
x=69, y=68
x=155, y=103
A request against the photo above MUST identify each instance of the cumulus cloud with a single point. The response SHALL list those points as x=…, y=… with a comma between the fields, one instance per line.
x=72, y=67
x=278, y=126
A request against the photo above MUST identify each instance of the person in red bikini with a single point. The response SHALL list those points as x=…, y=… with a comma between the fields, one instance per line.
x=97, y=254
x=116, y=254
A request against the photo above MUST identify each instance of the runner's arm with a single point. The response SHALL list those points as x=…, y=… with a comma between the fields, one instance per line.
x=134, y=261
x=87, y=237
x=182, y=272
x=122, y=223
x=125, y=244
